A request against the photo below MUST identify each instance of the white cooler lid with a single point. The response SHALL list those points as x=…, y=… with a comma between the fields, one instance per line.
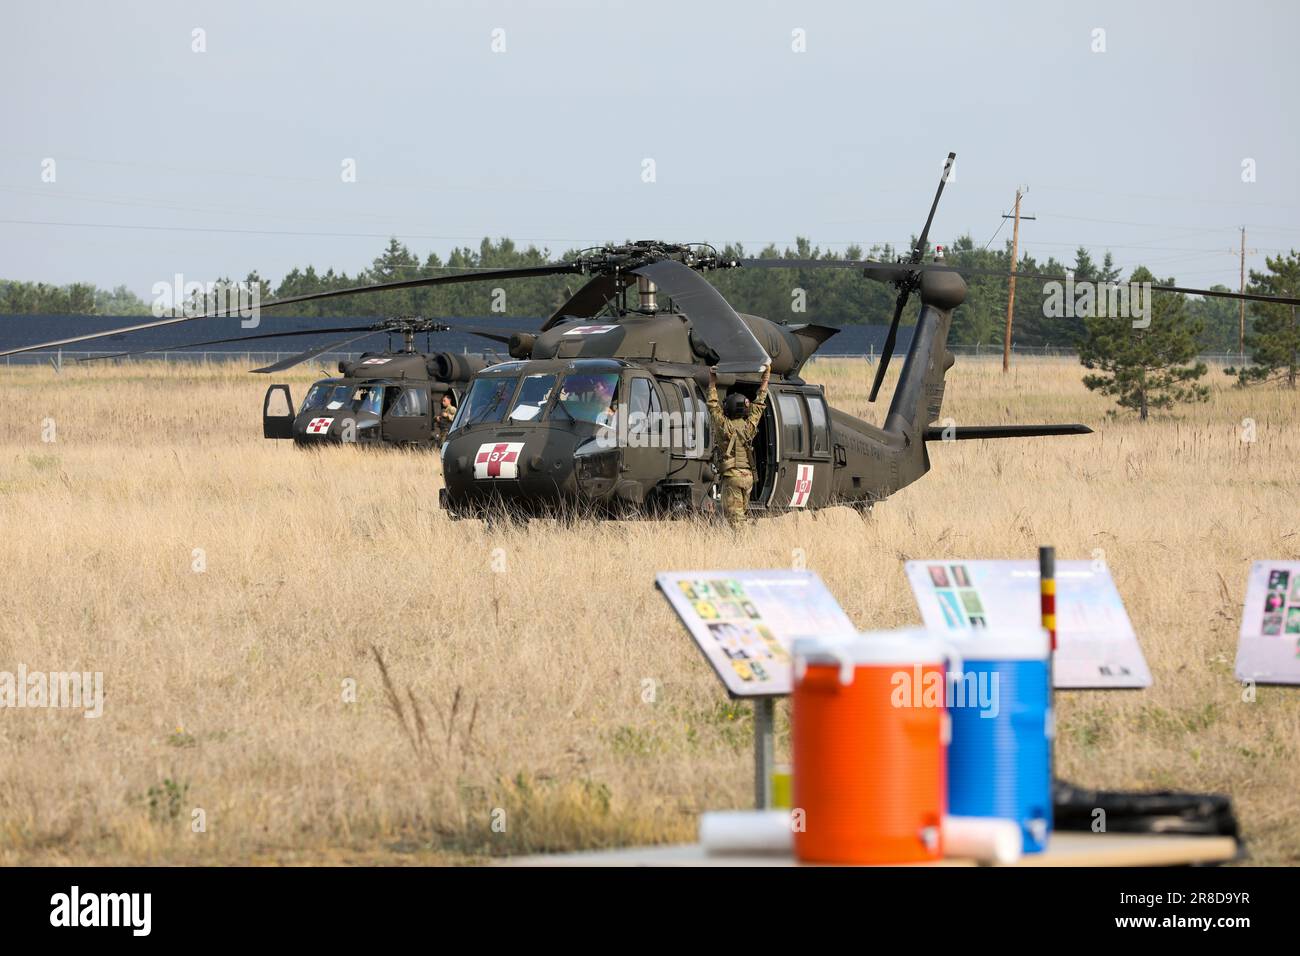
x=1003, y=644
x=908, y=645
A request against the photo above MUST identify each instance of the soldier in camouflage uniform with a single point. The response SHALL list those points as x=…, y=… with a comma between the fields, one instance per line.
x=733, y=438
x=442, y=423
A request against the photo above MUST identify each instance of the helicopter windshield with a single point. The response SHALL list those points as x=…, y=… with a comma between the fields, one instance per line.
x=533, y=396
x=332, y=396
x=590, y=396
x=487, y=400
x=327, y=395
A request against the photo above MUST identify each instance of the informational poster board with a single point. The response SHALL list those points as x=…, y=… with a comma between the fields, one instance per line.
x=1268, y=650
x=745, y=622
x=1096, y=646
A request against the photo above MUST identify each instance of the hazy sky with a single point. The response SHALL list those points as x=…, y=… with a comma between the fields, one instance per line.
x=232, y=158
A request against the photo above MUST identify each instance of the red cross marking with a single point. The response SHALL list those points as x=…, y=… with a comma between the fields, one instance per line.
x=495, y=457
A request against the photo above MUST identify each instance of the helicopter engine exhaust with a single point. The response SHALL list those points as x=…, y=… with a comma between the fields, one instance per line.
x=521, y=345
x=455, y=367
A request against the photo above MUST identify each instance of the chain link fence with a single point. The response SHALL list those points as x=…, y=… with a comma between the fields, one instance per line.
x=330, y=360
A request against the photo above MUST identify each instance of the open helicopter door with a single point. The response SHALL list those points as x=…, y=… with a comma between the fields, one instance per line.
x=277, y=413
x=804, y=474
x=407, y=414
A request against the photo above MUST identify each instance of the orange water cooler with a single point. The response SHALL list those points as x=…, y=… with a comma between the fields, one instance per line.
x=869, y=728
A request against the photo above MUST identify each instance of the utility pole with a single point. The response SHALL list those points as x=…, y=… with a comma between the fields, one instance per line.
x=1011, y=291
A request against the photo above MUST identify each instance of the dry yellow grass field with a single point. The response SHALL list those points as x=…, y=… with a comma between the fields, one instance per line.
x=520, y=671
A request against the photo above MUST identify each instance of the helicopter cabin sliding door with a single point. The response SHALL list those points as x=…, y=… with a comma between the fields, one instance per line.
x=407, y=414
x=804, y=446
x=646, y=444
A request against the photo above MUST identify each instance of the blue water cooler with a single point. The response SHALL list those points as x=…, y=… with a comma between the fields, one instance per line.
x=1000, y=754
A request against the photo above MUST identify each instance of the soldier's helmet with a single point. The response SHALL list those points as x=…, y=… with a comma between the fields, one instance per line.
x=736, y=405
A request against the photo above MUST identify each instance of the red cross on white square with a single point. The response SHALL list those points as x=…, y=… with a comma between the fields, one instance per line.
x=498, y=460
x=319, y=426
x=802, y=486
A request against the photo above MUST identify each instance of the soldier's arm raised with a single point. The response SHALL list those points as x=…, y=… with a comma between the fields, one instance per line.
x=711, y=399
x=760, y=401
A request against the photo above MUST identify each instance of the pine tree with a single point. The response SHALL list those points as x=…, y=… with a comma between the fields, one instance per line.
x=1145, y=368
x=1274, y=340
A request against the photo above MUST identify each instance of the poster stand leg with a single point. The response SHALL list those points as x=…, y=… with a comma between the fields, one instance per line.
x=764, y=750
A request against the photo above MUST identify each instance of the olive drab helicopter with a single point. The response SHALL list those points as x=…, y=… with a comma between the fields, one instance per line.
x=602, y=411
x=393, y=397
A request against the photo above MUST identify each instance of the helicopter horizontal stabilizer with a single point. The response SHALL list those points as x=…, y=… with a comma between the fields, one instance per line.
x=967, y=432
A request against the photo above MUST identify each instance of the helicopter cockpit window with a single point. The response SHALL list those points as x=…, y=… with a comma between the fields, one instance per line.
x=821, y=434
x=693, y=435
x=793, y=428
x=487, y=400
x=369, y=398
x=412, y=403
x=533, y=396
x=327, y=395
x=589, y=397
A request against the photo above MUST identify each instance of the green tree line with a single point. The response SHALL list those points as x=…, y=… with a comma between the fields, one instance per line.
x=827, y=296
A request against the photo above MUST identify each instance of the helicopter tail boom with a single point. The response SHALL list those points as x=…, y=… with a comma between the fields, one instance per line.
x=918, y=397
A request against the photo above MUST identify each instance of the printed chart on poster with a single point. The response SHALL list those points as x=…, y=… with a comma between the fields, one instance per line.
x=745, y=622
x=1268, y=650
x=1095, y=642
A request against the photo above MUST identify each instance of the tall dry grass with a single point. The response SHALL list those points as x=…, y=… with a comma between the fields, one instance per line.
x=517, y=695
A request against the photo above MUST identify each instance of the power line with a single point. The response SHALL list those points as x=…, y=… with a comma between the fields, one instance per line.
x=580, y=240
x=995, y=234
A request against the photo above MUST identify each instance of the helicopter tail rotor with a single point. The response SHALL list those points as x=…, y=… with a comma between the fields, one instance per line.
x=905, y=281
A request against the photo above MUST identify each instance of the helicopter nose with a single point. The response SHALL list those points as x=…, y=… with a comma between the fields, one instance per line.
x=532, y=463
x=347, y=428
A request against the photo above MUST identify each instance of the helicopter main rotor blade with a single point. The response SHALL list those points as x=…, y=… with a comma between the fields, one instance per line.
x=484, y=275
x=492, y=336
x=922, y=243
x=1180, y=290
x=312, y=352
x=237, y=338
x=892, y=271
x=888, y=349
x=906, y=282
x=805, y=263
x=711, y=315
